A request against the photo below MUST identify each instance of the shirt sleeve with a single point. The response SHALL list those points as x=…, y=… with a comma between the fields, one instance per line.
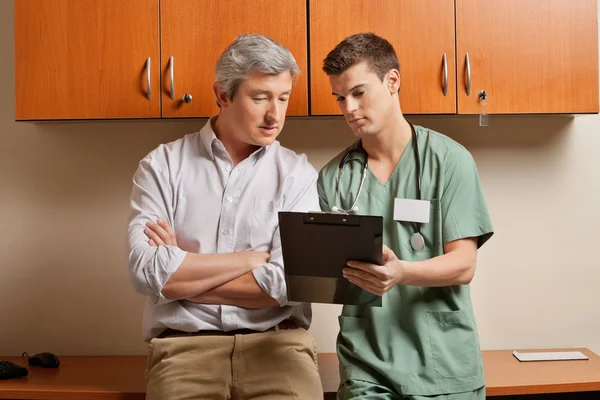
x=464, y=210
x=151, y=198
x=323, y=203
x=271, y=277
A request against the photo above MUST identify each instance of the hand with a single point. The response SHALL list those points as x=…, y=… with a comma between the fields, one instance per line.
x=377, y=279
x=160, y=233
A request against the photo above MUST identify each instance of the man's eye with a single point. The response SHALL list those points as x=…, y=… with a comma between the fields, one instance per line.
x=358, y=94
x=283, y=99
x=339, y=99
x=259, y=98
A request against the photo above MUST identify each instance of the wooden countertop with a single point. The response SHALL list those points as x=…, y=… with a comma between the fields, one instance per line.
x=505, y=375
x=80, y=378
x=122, y=377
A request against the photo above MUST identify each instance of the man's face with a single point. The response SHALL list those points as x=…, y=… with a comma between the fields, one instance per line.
x=258, y=109
x=363, y=98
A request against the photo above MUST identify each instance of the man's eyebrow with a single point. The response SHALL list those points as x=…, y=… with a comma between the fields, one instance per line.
x=257, y=92
x=360, y=85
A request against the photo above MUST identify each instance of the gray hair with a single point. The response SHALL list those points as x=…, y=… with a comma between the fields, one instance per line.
x=252, y=52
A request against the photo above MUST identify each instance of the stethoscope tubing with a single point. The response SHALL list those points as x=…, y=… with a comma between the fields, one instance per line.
x=338, y=207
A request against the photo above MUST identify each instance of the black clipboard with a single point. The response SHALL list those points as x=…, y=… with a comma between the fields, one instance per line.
x=317, y=246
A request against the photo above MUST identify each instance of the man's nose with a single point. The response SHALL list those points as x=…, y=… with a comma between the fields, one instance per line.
x=274, y=112
x=348, y=106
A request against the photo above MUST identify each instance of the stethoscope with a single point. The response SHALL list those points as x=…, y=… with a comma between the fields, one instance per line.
x=416, y=240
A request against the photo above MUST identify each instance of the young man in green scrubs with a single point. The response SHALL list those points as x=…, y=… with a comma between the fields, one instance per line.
x=422, y=343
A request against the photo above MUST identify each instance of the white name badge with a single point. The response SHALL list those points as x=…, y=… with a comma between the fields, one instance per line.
x=411, y=210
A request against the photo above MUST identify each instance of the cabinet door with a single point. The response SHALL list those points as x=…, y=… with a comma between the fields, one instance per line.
x=421, y=31
x=77, y=59
x=534, y=56
x=195, y=33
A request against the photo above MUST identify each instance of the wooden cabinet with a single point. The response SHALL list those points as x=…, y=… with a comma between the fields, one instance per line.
x=534, y=56
x=195, y=32
x=93, y=59
x=86, y=59
x=103, y=59
x=422, y=33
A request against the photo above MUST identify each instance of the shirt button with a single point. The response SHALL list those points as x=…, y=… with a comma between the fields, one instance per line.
x=228, y=168
x=230, y=199
x=225, y=232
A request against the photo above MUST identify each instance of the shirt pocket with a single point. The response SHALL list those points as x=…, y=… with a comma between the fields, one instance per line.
x=264, y=223
x=454, y=344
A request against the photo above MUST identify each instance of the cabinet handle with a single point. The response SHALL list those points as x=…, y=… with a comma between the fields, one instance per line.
x=171, y=75
x=468, y=74
x=445, y=62
x=148, y=78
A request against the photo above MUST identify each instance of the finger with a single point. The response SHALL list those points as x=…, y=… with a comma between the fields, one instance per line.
x=362, y=275
x=379, y=271
x=366, y=286
x=152, y=243
x=386, y=254
x=153, y=236
x=168, y=229
x=164, y=236
x=375, y=281
x=361, y=265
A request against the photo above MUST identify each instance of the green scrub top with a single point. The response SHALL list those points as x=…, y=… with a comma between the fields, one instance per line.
x=423, y=340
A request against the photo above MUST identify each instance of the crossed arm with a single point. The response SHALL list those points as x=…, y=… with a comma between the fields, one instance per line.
x=164, y=271
x=212, y=278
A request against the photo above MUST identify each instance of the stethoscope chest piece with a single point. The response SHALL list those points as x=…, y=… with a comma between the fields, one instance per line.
x=417, y=242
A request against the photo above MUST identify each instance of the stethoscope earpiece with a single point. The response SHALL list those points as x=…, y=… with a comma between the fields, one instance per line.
x=336, y=209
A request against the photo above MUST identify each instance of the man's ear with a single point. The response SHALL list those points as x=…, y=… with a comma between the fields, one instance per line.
x=393, y=81
x=222, y=100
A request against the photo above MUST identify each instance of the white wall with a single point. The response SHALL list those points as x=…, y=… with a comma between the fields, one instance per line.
x=64, y=191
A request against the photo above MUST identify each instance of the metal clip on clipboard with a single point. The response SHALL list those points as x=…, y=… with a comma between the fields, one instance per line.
x=332, y=219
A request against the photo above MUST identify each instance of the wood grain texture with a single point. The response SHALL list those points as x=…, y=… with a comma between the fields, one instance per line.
x=108, y=378
x=122, y=377
x=195, y=33
x=533, y=56
x=505, y=375
x=80, y=378
x=86, y=59
x=421, y=31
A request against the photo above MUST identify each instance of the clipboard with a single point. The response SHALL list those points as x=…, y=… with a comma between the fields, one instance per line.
x=317, y=246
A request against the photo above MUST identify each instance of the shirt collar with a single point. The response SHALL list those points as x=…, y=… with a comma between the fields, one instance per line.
x=208, y=136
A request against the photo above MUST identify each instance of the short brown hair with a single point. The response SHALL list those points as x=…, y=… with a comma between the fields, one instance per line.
x=375, y=50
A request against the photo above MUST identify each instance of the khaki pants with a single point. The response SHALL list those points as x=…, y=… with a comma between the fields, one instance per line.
x=268, y=365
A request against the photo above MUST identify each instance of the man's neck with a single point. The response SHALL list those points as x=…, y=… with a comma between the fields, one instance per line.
x=388, y=145
x=238, y=151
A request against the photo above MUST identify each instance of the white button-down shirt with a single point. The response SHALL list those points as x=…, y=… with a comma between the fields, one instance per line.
x=214, y=207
